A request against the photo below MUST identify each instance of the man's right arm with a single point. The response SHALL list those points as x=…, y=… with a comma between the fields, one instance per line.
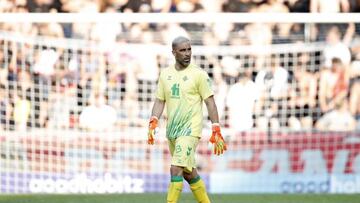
x=158, y=108
x=153, y=123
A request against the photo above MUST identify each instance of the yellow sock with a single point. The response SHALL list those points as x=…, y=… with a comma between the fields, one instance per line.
x=175, y=189
x=198, y=188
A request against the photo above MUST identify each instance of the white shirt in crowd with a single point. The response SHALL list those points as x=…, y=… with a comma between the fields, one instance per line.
x=338, y=50
x=45, y=63
x=278, y=81
x=240, y=101
x=94, y=117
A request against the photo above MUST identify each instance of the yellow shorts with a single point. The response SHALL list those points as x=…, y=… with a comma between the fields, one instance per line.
x=182, y=150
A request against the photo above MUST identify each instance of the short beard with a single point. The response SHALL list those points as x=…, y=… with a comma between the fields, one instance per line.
x=184, y=64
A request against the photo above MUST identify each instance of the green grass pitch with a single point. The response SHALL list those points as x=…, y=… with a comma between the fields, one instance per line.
x=185, y=198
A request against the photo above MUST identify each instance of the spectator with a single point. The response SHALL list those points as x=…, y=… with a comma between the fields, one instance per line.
x=188, y=6
x=45, y=63
x=335, y=48
x=43, y=6
x=298, y=6
x=212, y=6
x=273, y=87
x=135, y=5
x=274, y=78
x=62, y=104
x=238, y=6
x=21, y=111
x=273, y=6
x=333, y=85
x=329, y=6
x=303, y=94
x=98, y=116
x=161, y=6
x=339, y=119
x=230, y=69
x=240, y=101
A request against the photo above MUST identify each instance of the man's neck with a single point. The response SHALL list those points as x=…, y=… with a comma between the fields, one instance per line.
x=179, y=67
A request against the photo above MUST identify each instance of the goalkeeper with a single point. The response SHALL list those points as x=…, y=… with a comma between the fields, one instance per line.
x=183, y=87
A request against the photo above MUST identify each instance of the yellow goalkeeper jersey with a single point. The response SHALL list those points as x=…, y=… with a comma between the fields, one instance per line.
x=183, y=92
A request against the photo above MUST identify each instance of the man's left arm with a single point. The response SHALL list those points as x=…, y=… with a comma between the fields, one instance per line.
x=212, y=109
x=216, y=138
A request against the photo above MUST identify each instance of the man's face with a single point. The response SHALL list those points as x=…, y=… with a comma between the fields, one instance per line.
x=182, y=53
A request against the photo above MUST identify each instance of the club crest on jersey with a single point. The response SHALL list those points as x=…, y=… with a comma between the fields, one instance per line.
x=169, y=77
x=175, y=91
x=185, y=78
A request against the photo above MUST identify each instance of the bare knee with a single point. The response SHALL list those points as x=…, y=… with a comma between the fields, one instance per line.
x=189, y=176
x=176, y=170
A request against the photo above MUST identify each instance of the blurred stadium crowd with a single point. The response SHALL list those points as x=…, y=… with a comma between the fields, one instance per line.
x=48, y=86
x=180, y=5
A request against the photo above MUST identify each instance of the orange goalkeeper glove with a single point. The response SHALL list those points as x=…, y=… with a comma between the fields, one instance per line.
x=217, y=140
x=153, y=128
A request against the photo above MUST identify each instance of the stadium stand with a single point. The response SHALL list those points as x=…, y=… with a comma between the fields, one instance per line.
x=289, y=82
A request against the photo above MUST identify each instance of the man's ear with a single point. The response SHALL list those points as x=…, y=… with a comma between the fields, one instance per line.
x=173, y=52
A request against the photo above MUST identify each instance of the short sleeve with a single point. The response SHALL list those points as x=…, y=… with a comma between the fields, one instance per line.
x=204, y=83
x=160, y=93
